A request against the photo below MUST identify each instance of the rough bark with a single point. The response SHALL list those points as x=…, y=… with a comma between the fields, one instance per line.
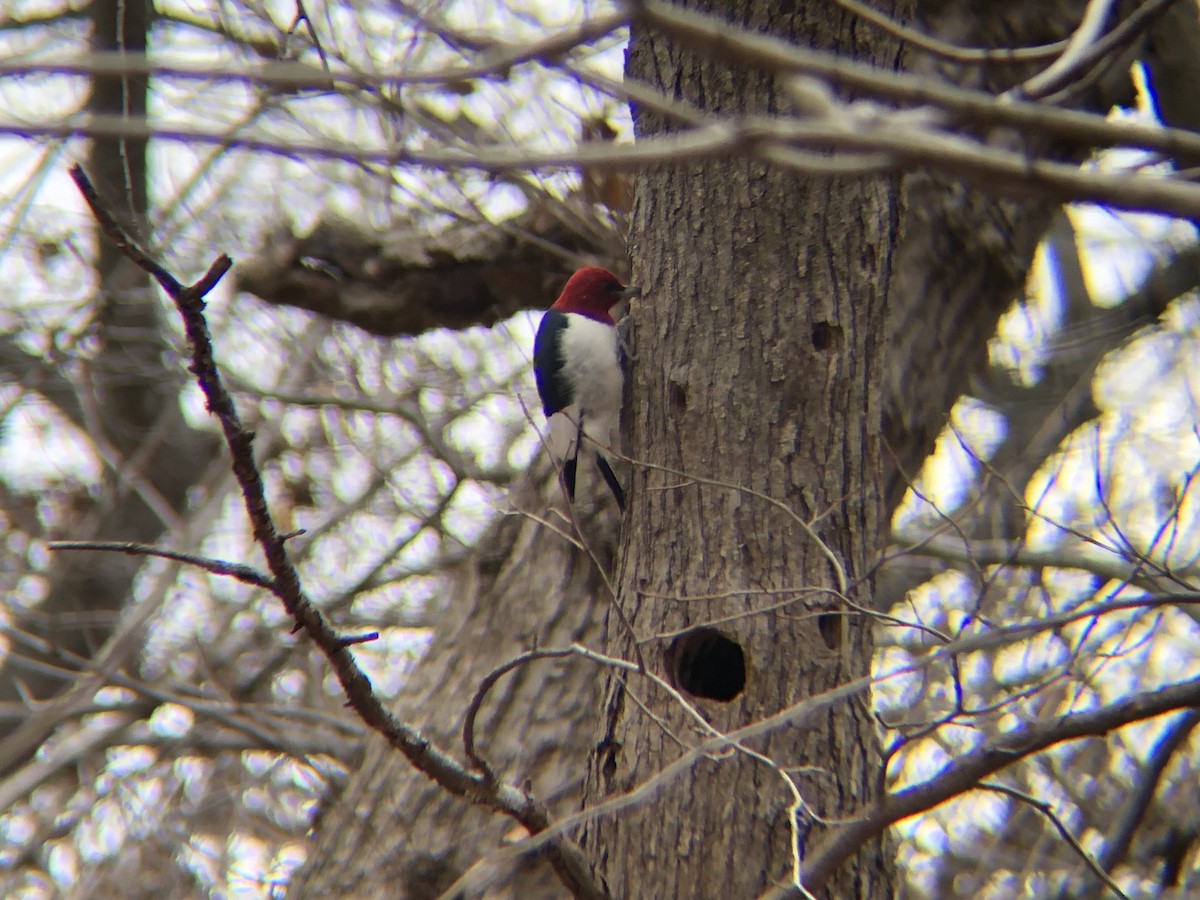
x=757, y=352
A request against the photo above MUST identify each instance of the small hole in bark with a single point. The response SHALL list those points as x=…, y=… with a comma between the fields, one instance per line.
x=830, y=626
x=705, y=663
x=678, y=396
x=823, y=335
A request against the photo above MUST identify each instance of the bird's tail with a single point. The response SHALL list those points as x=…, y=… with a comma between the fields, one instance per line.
x=610, y=478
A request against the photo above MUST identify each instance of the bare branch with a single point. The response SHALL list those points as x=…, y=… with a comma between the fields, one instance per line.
x=906, y=141
x=564, y=855
x=1009, y=553
x=291, y=75
x=1116, y=847
x=1073, y=58
x=979, y=108
x=1102, y=52
x=239, y=571
x=1045, y=809
x=966, y=772
x=936, y=47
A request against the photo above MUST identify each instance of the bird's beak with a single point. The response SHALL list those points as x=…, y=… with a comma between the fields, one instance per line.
x=631, y=291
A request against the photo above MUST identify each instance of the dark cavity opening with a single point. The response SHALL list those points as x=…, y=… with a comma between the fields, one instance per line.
x=705, y=663
x=830, y=626
x=678, y=397
x=823, y=335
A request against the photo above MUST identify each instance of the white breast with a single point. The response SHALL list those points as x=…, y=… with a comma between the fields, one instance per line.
x=593, y=371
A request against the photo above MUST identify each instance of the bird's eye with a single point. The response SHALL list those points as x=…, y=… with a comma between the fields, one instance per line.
x=612, y=287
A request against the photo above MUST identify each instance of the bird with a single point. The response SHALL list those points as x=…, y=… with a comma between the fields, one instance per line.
x=577, y=364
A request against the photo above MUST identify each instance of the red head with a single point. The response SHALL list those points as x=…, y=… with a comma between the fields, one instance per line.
x=591, y=292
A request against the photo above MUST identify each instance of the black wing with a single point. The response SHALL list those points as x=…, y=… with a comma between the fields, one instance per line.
x=548, y=363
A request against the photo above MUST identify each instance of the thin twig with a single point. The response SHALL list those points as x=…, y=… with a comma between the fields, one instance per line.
x=468, y=732
x=1045, y=809
x=946, y=50
x=1091, y=26
x=1116, y=847
x=285, y=74
x=239, y=571
x=1091, y=57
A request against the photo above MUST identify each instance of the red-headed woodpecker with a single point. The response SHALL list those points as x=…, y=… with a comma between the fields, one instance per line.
x=577, y=364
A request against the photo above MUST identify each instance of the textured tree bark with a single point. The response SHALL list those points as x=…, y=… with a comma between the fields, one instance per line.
x=758, y=349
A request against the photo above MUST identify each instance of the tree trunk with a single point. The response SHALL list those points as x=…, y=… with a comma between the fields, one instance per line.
x=757, y=355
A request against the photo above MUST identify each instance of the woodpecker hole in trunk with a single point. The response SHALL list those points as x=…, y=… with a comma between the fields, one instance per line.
x=705, y=663
x=830, y=626
x=824, y=335
x=678, y=396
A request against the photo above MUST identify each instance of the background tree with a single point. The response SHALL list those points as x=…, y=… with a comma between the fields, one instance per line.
x=394, y=453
